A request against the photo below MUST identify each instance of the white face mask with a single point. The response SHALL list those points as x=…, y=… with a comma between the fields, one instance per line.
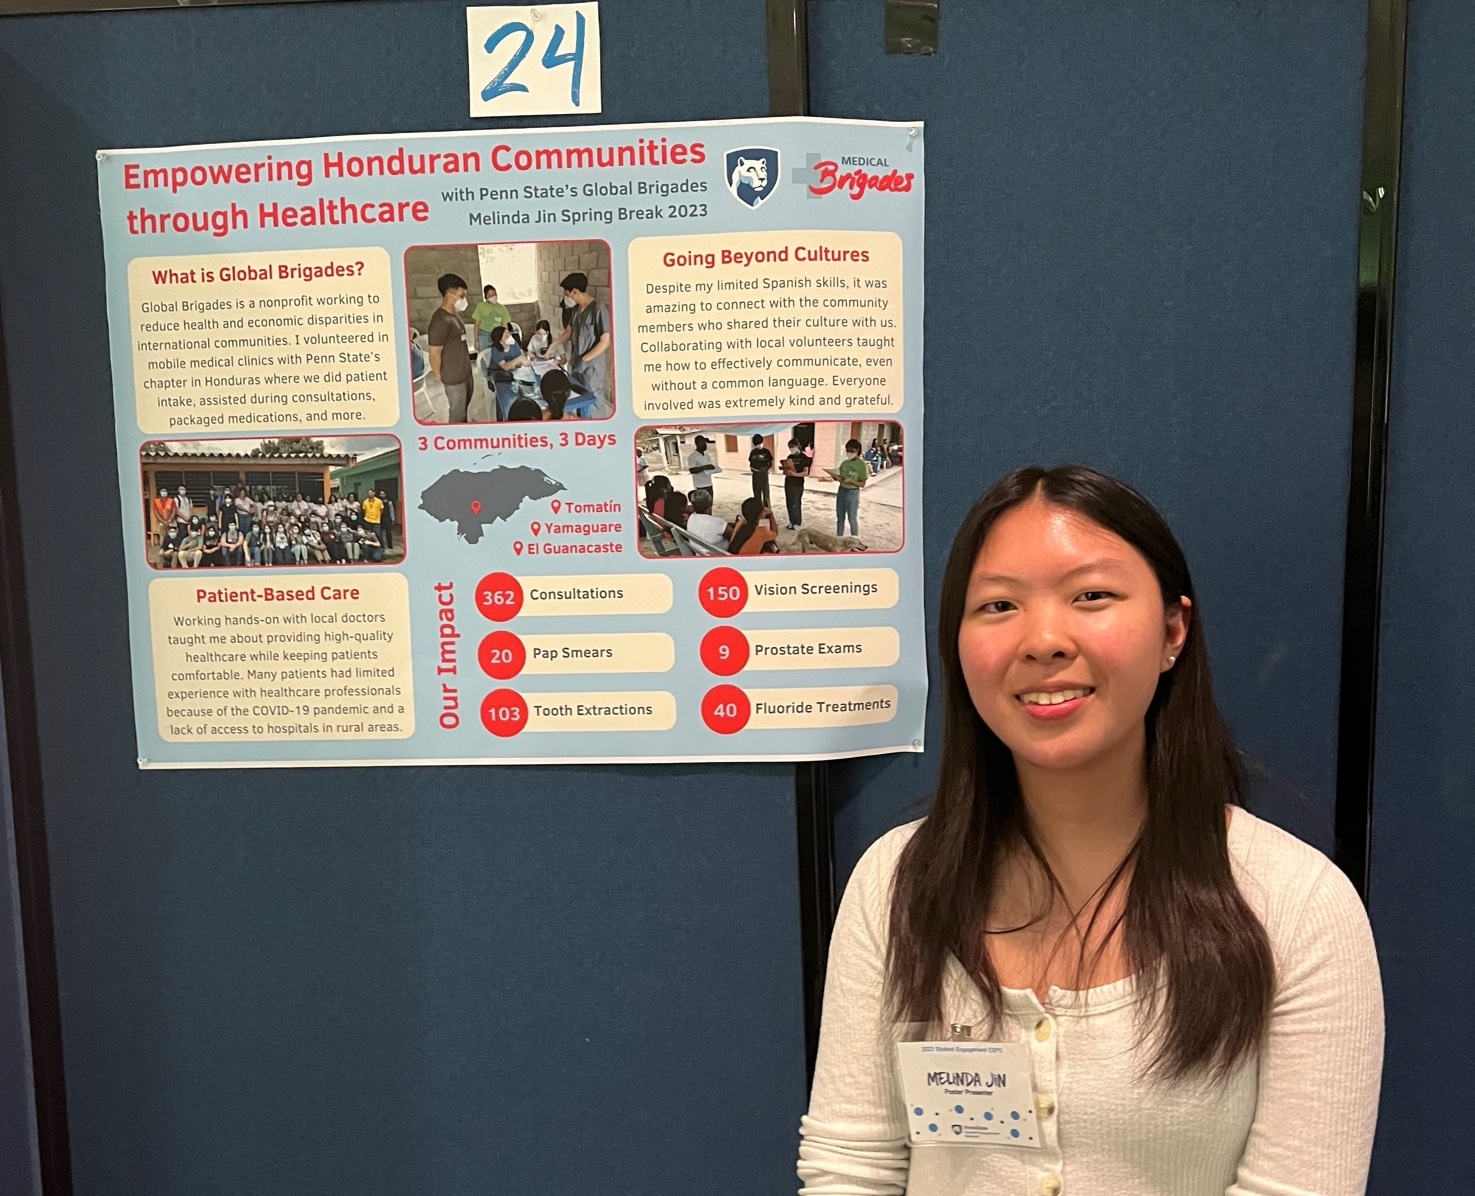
x=567, y=302
x=461, y=303
x=853, y=456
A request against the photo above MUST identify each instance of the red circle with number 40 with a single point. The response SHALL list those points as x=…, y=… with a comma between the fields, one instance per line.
x=498, y=596
x=723, y=593
x=504, y=712
x=725, y=651
x=726, y=709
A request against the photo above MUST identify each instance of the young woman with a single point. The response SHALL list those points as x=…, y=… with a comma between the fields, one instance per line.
x=656, y=491
x=540, y=340
x=755, y=530
x=795, y=469
x=1195, y=991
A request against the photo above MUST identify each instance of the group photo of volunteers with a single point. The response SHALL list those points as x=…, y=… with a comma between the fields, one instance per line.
x=746, y=490
x=510, y=332
x=289, y=502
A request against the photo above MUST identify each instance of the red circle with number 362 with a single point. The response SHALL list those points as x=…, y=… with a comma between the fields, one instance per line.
x=498, y=596
x=726, y=709
x=725, y=651
x=723, y=593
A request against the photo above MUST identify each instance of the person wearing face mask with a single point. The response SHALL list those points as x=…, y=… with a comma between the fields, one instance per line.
x=233, y=546
x=541, y=339
x=1192, y=994
x=254, y=540
x=165, y=509
x=795, y=469
x=210, y=550
x=487, y=316
x=183, y=508
x=852, y=475
x=450, y=360
x=589, y=337
x=191, y=546
x=169, y=546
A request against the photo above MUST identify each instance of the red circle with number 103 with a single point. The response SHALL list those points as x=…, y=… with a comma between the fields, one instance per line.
x=498, y=596
x=504, y=712
x=726, y=709
x=723, y=593
x=725, y=651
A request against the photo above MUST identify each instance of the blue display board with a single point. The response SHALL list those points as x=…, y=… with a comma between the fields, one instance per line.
x=581, y=444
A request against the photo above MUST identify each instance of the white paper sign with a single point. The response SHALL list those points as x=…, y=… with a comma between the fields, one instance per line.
x=968, y=1094
x=533, y=59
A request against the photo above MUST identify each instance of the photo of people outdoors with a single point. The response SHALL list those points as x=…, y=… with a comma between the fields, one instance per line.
x=751, y=489
x=293, y=501
x=510, y=332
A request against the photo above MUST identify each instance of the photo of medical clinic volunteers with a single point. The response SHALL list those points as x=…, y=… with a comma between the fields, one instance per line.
x=257, y=503
x=518, y=331
x=746, y=490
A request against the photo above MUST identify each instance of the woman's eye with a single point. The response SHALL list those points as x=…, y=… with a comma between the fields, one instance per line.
x=997, y=607
x=1096, y=596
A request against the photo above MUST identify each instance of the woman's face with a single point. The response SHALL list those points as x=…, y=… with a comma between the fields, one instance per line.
x=1064, y=636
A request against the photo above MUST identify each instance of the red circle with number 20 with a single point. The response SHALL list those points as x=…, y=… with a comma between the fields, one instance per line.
x=723, y=593
x=726, y=709
x=501, y=655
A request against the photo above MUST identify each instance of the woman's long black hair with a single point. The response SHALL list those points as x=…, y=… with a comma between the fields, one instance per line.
x=752, y=510
x=1185, y=921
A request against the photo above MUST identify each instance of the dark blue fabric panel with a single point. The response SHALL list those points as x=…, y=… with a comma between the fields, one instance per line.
x=390, y=981
x=1142, y=246
x=18, y=1159
x=1423, y=888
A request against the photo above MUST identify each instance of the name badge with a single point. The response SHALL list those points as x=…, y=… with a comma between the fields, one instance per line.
x=968, y=1093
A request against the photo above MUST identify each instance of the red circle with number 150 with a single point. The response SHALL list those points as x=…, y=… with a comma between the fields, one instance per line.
x=723, y=593
x=498, y=596
x=726, y=709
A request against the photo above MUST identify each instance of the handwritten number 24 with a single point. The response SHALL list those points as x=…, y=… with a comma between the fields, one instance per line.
x=501, y=84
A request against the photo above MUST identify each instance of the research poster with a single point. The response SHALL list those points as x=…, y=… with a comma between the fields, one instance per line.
x=599, y=443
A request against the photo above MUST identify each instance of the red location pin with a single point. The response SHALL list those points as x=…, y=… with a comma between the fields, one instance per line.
x=725, y=651
x=536, y=526
x=498, y=596
x=723, y=592
x=556, y=505
x=476, y=506
x=501, y=655
x=726, y=709
x=517, y=547
x=504, y=712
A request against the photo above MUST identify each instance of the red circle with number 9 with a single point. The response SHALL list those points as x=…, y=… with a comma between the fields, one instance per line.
x=723, y=593
x=498, y=596
x=501, y=655
x=725, y=651
x=504, y=712
x=726, y=709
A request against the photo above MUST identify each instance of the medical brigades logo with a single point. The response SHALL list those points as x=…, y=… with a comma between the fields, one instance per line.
x=752, y=174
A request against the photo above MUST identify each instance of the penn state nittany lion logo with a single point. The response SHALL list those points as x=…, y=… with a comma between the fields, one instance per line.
x=752, y=174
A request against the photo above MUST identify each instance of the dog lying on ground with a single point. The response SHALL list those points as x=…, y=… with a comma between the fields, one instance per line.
x=812, y=539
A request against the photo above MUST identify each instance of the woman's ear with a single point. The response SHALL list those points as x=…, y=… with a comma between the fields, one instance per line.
x=1178, y=617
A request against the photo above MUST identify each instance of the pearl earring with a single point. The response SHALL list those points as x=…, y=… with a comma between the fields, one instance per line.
x=1172, y=659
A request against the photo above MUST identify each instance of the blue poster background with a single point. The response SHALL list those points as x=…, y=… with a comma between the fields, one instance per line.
x=796, y=196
